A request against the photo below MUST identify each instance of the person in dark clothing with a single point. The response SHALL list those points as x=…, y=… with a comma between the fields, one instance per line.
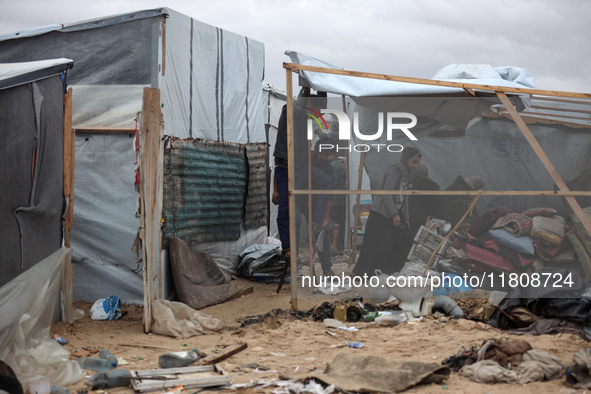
x=421, y=207
x=387, y=239
x=322, y=230
x=453, y=208
x=320, y=180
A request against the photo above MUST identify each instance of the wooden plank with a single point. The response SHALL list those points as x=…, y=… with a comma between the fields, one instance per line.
x=151, y=161
x=311, y=243
x=188, y=377
x=291, y=185
x=471, y=92
x=228, y=352
x=347, y=235
x=69, y=151
x=67, y=288
x=420, y=81
x=545, y=161
x=453, y=192
x=104, y=130
x=353, y=256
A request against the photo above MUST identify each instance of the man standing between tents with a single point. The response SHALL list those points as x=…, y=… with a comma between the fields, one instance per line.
x=320, y=180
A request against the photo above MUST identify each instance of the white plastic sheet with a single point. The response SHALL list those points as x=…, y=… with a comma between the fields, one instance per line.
x=28, y=305
x=359, y=87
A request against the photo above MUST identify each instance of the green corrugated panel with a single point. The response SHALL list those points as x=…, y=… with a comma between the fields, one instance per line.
x=204, y=191
x=256, y=214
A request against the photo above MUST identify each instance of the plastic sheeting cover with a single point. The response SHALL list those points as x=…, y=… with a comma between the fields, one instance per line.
x=12, y=74
x=31, y=174
x=212, y=88
x=105, y=225
x=358, y=87
x=28, y=305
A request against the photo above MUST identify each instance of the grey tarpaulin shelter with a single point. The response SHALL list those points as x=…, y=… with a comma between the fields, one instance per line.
x=187, y=80
x=32, y=170
x=35, y=211
x=503, y=99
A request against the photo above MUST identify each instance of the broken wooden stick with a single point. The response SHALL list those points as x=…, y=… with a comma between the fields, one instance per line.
x=228, y=352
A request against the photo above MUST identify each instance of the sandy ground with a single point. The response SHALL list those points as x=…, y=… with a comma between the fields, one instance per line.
x=280, y=344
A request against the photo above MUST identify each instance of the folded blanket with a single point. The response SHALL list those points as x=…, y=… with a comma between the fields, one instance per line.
x=484, y=222
x=515, y=224
x=548, y=228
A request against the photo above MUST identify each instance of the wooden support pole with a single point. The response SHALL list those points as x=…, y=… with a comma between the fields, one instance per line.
x=311, y=249
x=69, y=147
x=545, y=160
x=353, y=256
x=67, y=288
x=151, y=161
x=291, y=176
x=347, y=234
x=449, y=84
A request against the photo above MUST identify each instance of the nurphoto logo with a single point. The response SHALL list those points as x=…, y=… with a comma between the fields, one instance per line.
x=345, y=130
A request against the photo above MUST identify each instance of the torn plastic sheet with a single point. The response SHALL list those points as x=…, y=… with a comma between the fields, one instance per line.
x=25, y=343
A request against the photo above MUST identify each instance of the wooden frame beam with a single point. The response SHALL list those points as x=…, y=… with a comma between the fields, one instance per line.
x=453, y=192
x=420, y=81
x=545, y=161
x=69, y=144
x=291, y=185
x=104, y=130
x=69, y=153
x=151, y=163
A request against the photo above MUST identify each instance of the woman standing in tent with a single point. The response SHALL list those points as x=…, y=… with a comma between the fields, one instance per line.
x=387, y=236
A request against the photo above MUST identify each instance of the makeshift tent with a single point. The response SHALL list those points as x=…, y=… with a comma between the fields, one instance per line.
x=32, y=170
x=466, y=125
x=207, y=84
x=35, y=176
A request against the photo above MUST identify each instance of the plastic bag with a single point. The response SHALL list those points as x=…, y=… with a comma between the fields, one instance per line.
x=176, y=319
x=106, y=309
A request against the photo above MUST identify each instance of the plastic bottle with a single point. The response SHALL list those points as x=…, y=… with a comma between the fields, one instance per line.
x=95, y=364
x=356, y=345
x=178, y=359
x=107, y=355
x=59, y=390
x=110, y=379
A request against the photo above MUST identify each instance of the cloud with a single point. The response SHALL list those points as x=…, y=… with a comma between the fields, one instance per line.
x=408, y=38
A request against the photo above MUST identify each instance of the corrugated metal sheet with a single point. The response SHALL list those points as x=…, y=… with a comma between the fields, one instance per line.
x=257, y=198
x=205, y=186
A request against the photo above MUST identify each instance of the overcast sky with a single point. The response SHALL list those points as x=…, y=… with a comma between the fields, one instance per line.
x=550, y=38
